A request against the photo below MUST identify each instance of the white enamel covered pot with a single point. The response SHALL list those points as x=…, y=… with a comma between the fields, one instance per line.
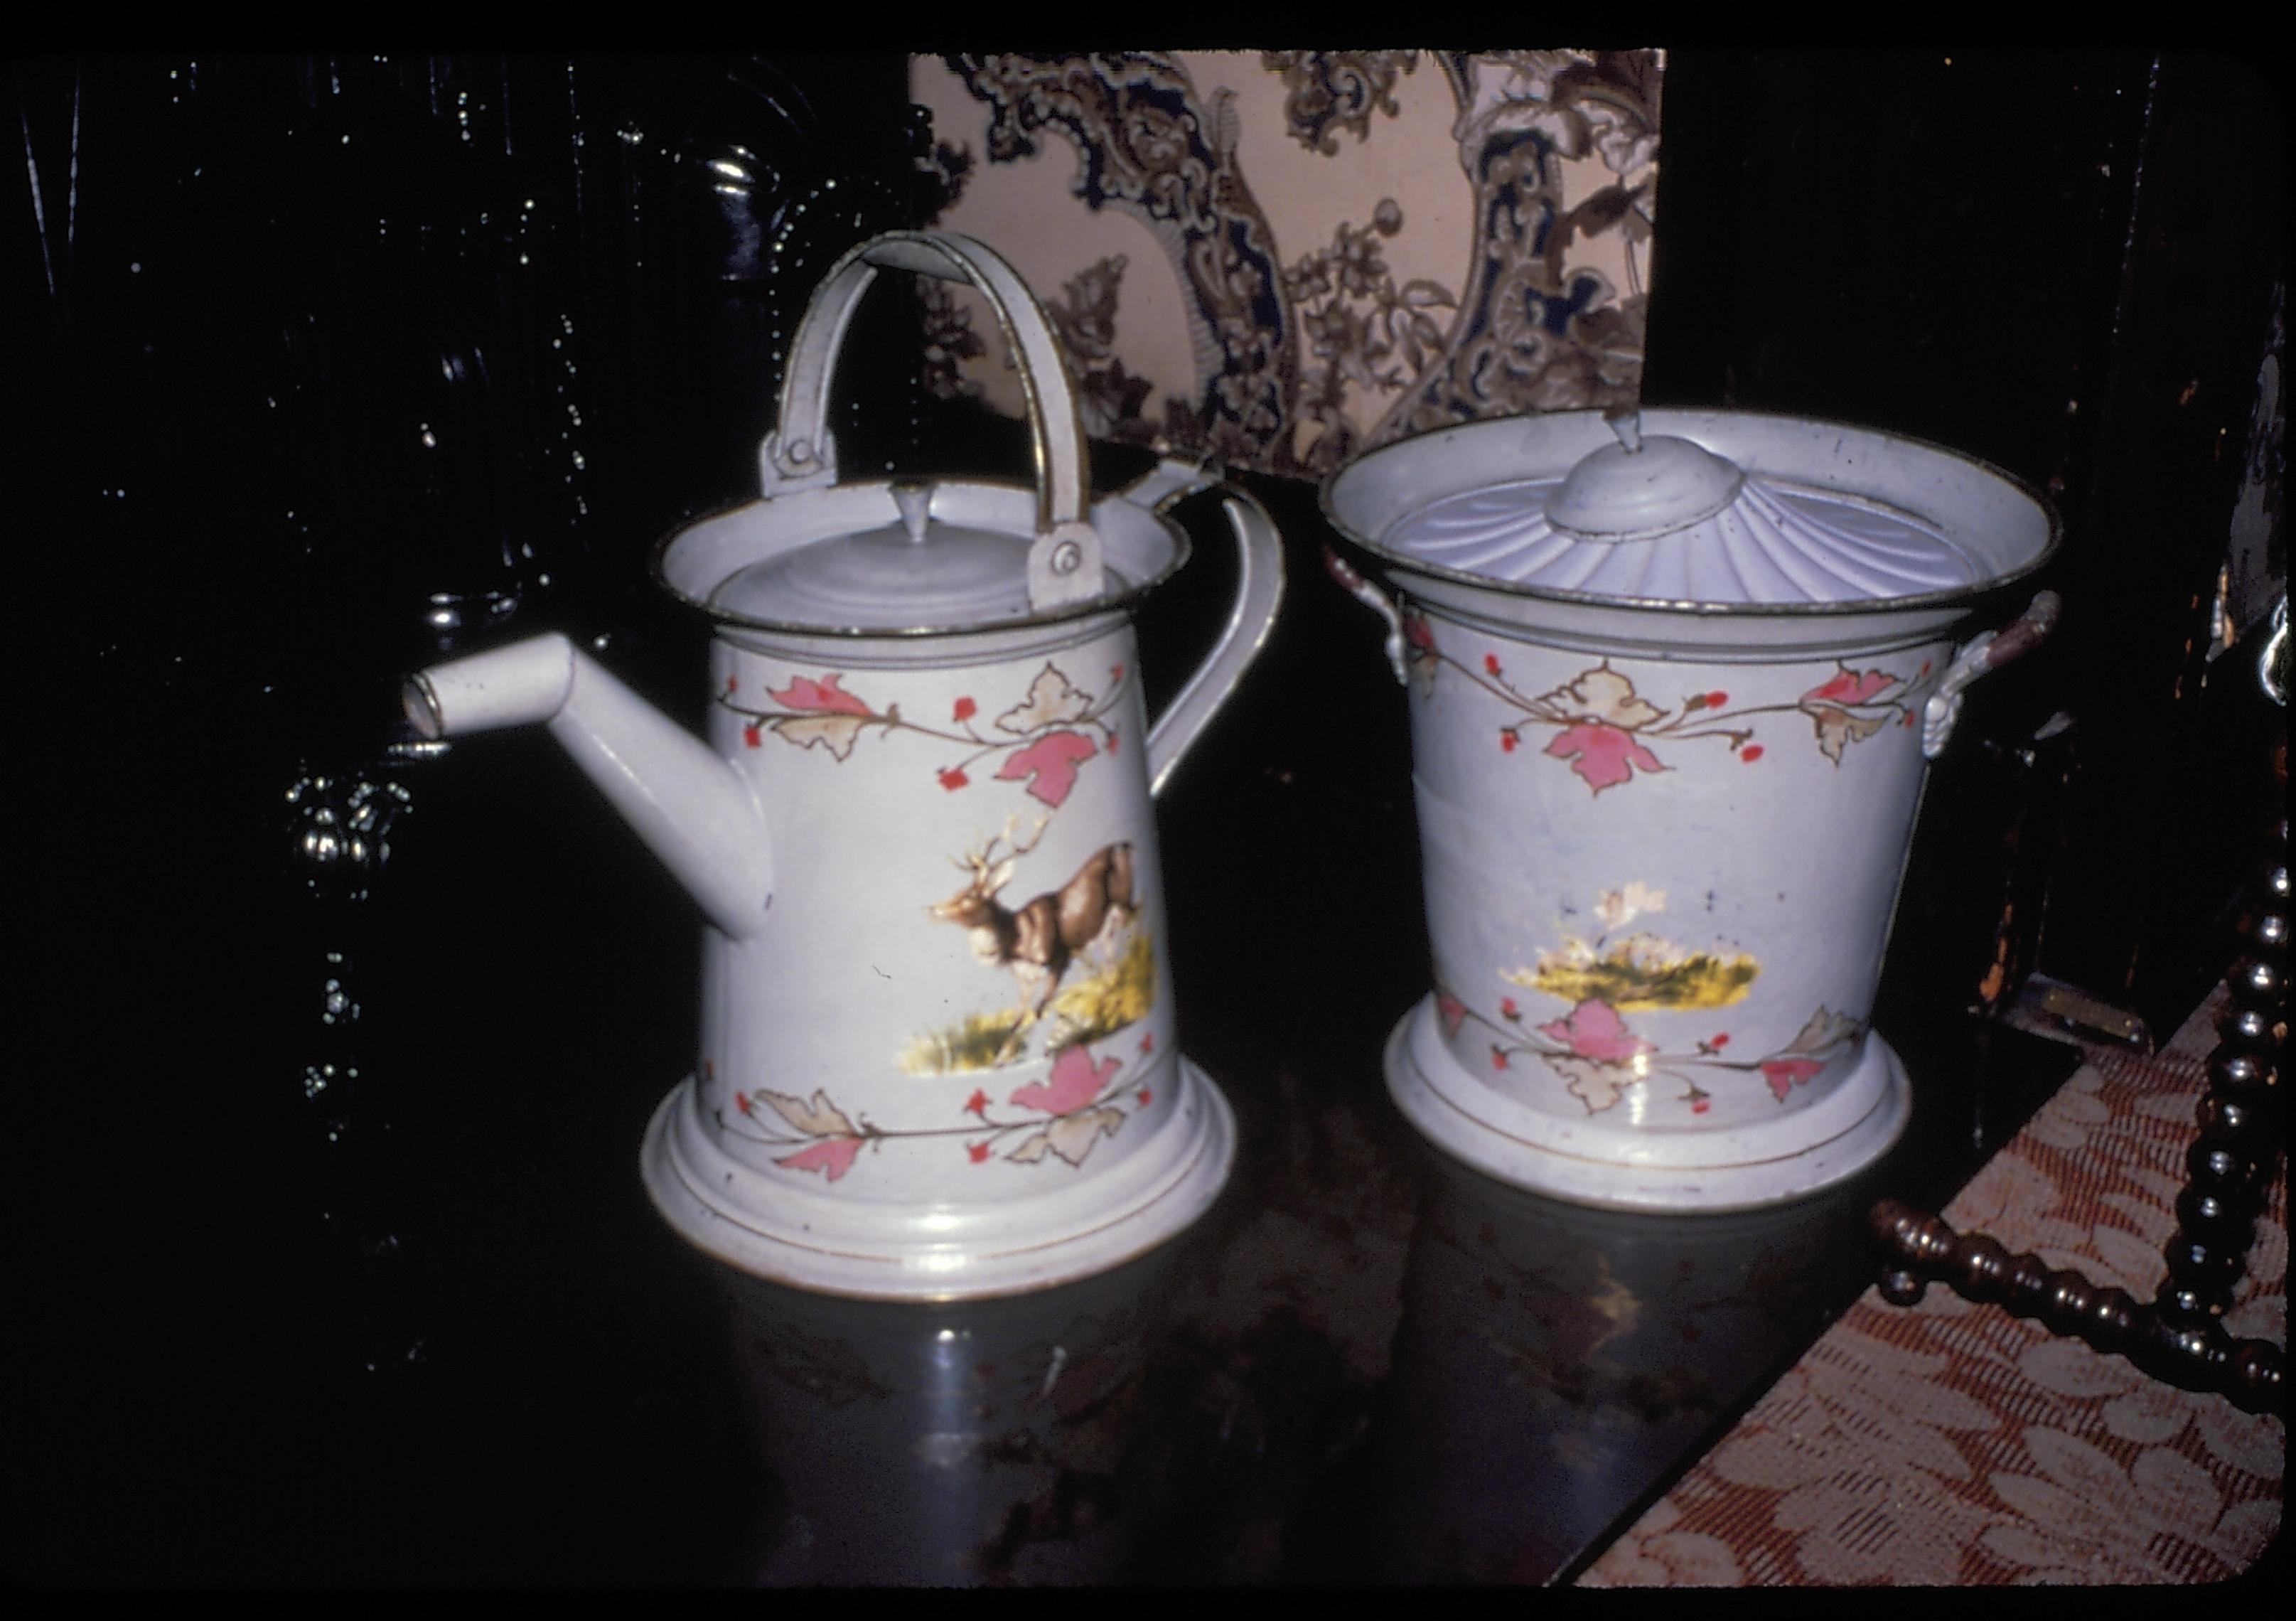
x=1675, y=682
x=937, y=1057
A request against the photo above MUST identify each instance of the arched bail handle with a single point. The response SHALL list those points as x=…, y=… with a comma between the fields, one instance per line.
x=799, y=455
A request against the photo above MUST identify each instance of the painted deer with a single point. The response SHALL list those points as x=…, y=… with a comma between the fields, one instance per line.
x=1037, y=941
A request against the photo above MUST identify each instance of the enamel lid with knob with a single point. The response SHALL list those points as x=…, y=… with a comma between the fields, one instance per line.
x=915, y=557
x=1703, y=513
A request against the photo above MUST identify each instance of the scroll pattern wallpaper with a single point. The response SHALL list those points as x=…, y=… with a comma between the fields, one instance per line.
x=1282, y=258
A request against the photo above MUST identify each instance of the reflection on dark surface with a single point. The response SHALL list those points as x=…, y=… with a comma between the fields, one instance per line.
x=986, y=1442
x=1553, y=1361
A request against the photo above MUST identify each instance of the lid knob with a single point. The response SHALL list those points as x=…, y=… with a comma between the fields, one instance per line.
x=915, y=496
x=1640, y=487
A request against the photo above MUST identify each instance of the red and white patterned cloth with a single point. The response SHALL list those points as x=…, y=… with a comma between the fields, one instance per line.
x=1953, y=1443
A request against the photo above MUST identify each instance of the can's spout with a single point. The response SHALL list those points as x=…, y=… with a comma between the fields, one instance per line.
x=691, y=807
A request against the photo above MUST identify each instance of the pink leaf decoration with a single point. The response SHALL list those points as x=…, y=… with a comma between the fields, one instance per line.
x=1074, y=1082
x=1851, y=687
x=833, y=1156
x=1785, y=1075
x=1595, y=1030
x=1453, y=1012
x=1051, y=763
x=1603, y=756
x=823, y=694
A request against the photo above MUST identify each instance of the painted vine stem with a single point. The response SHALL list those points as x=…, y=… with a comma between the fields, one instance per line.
x=1604, y=727
x=1599, y=1056
x=1074, y=1107
x=1048, y=736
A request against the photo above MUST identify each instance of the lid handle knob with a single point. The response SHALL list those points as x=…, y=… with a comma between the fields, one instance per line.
x=1640, y=489
x=799, y=454
x=915, y=496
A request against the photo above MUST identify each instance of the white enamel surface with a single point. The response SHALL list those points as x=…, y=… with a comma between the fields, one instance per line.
x=1771, y=544
x=1258, y=593
x=1831, y=518
x=937, y=1052
x=523, y=684
x=794, y=562
x=851, y=969
x=692, y=809
x=1060, y=565
x=843, y=783
x=1789, y=857
x=922, y=1249
x=1866, y=1113
x=1666, y=762
x=1640, y=487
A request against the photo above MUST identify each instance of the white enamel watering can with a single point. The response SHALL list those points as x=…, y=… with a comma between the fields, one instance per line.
x=937, y=1055
x=1675, y=682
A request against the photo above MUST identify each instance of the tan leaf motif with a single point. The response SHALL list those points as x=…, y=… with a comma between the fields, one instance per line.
x=1838, y=729
x=1070, y=1136
x=1595, y=1085
x=1073, y=1135
x=1823, y=1030
x=833, y=732
x=1052, y=701
x=1604, y=696
x=818, y=1118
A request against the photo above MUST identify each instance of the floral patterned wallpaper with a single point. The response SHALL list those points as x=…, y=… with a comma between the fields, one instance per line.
x=1282, y=258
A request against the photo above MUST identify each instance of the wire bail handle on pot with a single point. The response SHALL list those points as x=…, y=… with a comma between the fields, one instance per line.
x=1064, y=563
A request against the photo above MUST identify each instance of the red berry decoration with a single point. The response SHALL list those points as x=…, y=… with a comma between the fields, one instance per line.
x=966, y=709
x=1750, y=753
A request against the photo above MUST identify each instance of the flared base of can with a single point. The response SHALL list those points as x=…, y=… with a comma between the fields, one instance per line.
x=1075, y=1229
x=1614, y=1168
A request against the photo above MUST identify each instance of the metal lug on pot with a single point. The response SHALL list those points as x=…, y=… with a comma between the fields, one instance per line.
x=1988, y=651
x=1379, y=603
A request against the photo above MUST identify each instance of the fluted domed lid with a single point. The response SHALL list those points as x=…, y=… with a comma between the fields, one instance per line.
x=1663, y=519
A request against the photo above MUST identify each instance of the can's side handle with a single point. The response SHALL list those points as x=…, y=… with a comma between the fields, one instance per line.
x=1378, y=601
x=1988, y=651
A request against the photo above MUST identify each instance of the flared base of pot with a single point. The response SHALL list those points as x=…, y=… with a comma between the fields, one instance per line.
x=1077, y=1228
x=1610, y=1168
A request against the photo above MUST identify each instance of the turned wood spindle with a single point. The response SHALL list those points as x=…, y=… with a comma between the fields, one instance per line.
x=2180, y=1338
